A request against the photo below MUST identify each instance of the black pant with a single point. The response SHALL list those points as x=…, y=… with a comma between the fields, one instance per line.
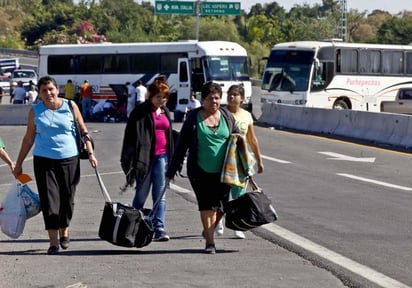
x=56, y=182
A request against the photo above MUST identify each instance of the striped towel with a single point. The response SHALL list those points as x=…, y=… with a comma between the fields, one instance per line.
x=238, y=164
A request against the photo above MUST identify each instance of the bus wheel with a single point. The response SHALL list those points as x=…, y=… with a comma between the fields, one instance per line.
x=340, y=105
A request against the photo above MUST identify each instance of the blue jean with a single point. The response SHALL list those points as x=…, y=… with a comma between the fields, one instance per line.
x=156, y=178
x=86, y=106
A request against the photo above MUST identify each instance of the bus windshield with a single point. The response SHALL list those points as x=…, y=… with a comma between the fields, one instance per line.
x=288, y=70
x=227, y=68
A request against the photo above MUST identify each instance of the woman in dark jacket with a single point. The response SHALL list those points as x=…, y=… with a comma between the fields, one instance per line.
x=205, y=135
x=147, y=148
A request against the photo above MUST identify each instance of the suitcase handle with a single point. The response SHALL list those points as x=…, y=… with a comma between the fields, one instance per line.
x=102, y=187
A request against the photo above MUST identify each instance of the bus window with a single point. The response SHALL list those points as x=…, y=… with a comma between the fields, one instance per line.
x=369, y=61
x=168, y=62
x=90, y=64
x=183, y=72
x=392, y=62
x=145, y=63
x=347, y=61
x=116, y=64
x=409, y=63
x=60, y=65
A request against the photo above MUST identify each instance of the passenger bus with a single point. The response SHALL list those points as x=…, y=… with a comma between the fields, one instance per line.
x=8, y=65
x=187, y=65
x=336, y=75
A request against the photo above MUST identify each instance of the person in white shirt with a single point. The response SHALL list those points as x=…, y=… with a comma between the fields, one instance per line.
x=193, y=103
x=32, y=95
x=131, y=98
x=141, y=91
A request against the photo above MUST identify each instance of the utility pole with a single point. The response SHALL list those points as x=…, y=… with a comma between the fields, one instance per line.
x=343, y=20
x=197, y=19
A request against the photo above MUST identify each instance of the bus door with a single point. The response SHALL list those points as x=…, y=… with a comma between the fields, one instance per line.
x=183, y=88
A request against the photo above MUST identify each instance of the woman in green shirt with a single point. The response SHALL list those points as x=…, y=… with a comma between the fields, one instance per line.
x=205, y=135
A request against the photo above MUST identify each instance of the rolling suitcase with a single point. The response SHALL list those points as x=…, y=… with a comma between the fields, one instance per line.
x=124, y=225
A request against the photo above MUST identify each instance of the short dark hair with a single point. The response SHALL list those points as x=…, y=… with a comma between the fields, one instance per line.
x=46, y=80
x=210, y=87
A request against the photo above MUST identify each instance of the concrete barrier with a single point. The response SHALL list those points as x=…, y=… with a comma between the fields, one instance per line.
x=14, y=114
x=385, y=128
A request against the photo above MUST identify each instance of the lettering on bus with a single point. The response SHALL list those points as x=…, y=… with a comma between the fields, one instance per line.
x=362, y=82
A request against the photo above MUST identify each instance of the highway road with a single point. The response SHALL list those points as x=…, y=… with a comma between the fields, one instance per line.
x=345, y=207
x=350, y=203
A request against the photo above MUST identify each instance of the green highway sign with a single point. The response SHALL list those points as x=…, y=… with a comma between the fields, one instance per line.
x=174, y=7
x=220, y=8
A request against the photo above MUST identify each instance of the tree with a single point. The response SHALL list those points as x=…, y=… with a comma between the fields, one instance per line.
x=396, y=31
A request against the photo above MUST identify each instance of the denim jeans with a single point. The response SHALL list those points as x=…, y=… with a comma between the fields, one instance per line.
x=156, y=179
x=86, y=106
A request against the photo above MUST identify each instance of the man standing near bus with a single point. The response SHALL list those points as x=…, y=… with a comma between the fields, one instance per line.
x=86, y=94
x=131, y=98
x=141, y=91
x=69, y=90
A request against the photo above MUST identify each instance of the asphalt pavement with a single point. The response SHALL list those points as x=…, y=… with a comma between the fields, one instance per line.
x=180, y=262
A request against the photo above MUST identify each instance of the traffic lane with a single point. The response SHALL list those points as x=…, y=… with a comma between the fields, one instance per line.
x=307, y=150
x=363, y=221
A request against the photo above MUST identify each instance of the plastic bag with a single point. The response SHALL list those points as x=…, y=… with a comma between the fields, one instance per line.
x=31, y=201
x=13, y=215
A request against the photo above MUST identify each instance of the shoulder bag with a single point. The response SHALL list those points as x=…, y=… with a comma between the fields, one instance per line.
x=81, y=144
x=250, y=210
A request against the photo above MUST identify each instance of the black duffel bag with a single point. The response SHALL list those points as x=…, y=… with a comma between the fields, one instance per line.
x=124, y=226
x=250, y=210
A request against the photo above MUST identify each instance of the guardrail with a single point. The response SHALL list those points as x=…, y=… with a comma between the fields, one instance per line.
x=10, y=52
x=377, y=127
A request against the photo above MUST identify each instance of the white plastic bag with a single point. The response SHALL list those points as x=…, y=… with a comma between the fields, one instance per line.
x=13, y=215
x=31, y=201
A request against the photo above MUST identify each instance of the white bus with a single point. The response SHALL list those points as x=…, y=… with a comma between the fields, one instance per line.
x=8, y=65
x=336, y=75
x=187, y=65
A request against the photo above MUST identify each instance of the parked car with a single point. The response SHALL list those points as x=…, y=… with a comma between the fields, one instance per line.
x=402, y=103
x=25, y=76
x=4, y=82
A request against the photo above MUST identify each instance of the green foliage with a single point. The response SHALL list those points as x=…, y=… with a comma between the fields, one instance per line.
x=396, y=31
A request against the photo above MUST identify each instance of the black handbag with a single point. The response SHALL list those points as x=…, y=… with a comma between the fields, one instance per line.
x=81, y=144
x=250, y=210
x=123, y=225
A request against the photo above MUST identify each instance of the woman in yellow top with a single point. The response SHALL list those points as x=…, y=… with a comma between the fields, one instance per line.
x=244, y=120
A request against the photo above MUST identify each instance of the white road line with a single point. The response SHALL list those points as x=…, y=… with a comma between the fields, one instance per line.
x=355, y=267
x=336, y=156
x=275, y=160
x=375, y=182
x=180, y=189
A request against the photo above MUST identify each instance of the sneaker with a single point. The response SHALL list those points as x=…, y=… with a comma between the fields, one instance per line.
x=210, y=248
x=161, y=236
x=239, y=235
x=219, y=228
x=53, y=250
